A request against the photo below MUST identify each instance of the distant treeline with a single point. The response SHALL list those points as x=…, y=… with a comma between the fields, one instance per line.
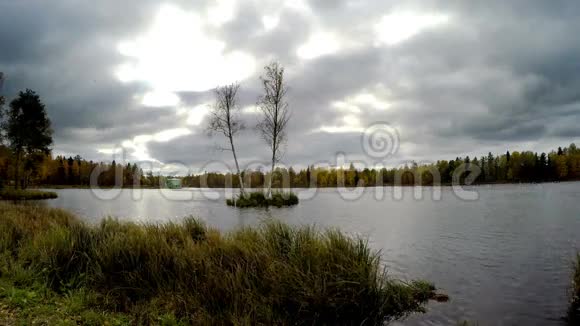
x=74, y=171
x=26, y=159
x=560, y=165
x=518, y=167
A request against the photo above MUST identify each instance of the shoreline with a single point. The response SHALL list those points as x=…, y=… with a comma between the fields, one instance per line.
x=58, y=187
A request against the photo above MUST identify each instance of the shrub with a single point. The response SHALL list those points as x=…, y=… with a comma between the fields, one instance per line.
x=272, y=274
x=258, y=199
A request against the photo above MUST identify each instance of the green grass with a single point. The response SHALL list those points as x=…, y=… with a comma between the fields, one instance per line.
x=574, y=309
x=12, y=194
x=53, y=267
x=258, y=199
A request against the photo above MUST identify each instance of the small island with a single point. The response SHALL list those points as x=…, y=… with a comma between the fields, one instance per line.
x=12, y=194
x=258, y=199
x=275, y=114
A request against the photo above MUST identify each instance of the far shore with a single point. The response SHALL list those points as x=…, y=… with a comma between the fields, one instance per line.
x=257, y=188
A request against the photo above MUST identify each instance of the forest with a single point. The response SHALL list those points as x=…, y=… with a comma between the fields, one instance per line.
x=26, y=159
x=26, y=152
x=562, y=164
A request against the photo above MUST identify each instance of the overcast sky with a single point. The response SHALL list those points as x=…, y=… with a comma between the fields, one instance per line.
x=450, y=77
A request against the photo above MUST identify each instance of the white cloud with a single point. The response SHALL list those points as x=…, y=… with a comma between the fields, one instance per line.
x=346, y=107
x=109, y=151
x=160, y=99
x=350, y=123
x=177, y=54
x=319, y=44
x=340, y=129
x=170, y=134
x=251, y=109
x=398, y=27
x=270, y=21
x=300, y=5
x=195, y=116
x=370, y=100
x=138, y=145
x=354, y=107
x=363, y=100
x=221, y=12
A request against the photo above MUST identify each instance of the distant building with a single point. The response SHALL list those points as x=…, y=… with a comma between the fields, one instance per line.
x=173, y=183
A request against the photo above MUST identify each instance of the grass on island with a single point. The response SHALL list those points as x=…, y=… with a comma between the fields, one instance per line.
x=258, y=199
x=15, y=194
x=54, y=268
x=574, y=309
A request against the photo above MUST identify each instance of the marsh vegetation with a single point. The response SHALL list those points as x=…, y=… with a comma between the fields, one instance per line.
x=258, y=199
x=18, y=194
x=54, y=267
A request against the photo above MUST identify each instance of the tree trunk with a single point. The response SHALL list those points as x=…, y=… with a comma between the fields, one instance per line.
x=25, y=181
x=269, y=192
x=241, y=180
x=17, y=170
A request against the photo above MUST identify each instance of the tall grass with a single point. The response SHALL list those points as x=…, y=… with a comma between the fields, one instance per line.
x=272, y=274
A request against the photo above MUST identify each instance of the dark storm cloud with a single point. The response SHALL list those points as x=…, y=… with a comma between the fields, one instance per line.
x=67, y=52
x=500, y=74
x=199, y=149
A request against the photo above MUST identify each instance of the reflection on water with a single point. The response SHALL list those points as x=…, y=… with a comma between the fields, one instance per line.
x=505, y=258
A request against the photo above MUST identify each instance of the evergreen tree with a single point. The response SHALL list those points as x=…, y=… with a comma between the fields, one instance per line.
x=27, y=129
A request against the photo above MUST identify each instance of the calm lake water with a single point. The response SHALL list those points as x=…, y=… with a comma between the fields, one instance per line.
x=505, y=258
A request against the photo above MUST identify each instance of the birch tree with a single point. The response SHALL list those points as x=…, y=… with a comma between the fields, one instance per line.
x=2, y=101
x=275, y=114
x=224, y=119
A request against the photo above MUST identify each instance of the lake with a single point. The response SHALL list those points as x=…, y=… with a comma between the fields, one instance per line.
x=504, y=258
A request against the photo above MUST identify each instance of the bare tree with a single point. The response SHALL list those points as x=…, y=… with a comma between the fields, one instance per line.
x=224, y=119
x=275, y=114
x=2, y=101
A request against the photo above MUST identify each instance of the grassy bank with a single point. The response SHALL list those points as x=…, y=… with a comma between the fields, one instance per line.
x=258, y=199
x=13, y=194
x=54, y=267
x=574, y=310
